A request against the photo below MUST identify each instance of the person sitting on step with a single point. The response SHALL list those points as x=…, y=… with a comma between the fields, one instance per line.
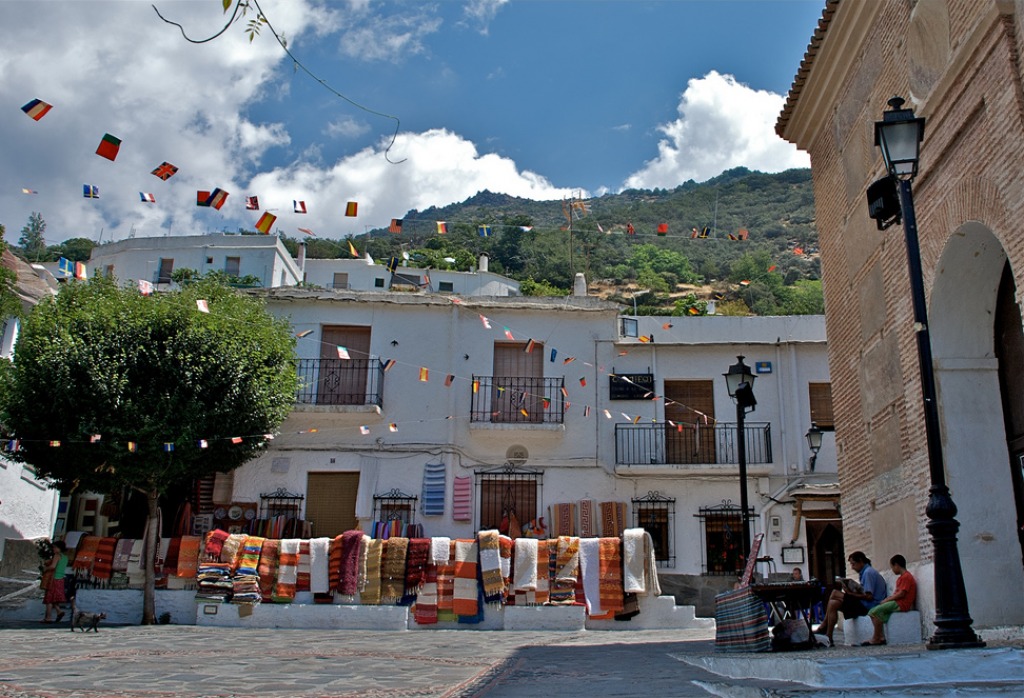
x=902, y=600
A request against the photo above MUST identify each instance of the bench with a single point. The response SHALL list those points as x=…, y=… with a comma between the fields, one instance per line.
x=903, y=628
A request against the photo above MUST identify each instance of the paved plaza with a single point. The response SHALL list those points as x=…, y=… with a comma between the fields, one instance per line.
x=48, y=661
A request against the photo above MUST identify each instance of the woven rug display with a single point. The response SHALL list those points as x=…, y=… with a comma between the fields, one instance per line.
x=249, y=562
x=268, y=568
x=348, y=561
x=613, y=519
x=563, y=519
x=462, y=498
x=425, y=610
x=416, y=564
x=103, y=565
x=490, y=565
x=446, y=585
x=334, y=562
x=741, y=624
x=170, y=557
x=188, y=557
x=525, y=565
x=634, y=561
x=136, y=572
x=392, y=569
x=370, y=590
x=232, y=549
x=302, y=574
x=588, y=518
x=465, y=600
x=562, y=591
x=287, y=570
x=610, y=561
x=319, y=565
x=434, y=480
x=590, y=572
x=121, y=554
x=215, y=540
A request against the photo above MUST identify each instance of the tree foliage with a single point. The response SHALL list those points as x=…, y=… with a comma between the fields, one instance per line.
x=32, y=243
x=100, y=360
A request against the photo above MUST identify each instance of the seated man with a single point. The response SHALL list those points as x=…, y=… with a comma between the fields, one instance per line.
x=902, y=599
x=853, y=604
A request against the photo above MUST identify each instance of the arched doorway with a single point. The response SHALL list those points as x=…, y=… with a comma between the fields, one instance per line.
x=1009, y=346
x=971, y=382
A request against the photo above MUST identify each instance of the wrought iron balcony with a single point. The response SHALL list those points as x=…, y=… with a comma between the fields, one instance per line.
x=340, y=382
x=711, y=444
x=518, y=400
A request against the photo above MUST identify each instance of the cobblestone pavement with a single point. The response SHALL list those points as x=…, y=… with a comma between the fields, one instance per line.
x=47, y=661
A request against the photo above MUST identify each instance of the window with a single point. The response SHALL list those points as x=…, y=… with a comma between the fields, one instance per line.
x=630, y=327
x=232, y=265
x=109, y=271
x=723, y=538
x=340, y=280
x=209, y=260
x=820, y=396
x=163, y=276
x=378, y=282
x=445, y=286
x=518, y=391
x=656, y=514
x=508, y=493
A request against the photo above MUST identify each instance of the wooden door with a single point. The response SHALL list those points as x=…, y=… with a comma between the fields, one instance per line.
x=331, y=502
x=518, y=383
x=343, y=381
x=690, y=405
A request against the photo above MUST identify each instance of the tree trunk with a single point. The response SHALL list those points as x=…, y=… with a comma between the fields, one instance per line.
x=149, y=561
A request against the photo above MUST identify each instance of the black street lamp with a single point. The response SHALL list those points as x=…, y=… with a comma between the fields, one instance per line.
x=899, y=136
x=739, y=381
x=813, y=437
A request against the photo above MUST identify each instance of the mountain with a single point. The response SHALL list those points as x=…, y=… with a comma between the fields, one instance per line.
x=755, y=249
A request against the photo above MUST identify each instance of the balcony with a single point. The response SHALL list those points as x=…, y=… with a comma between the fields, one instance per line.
x=518, y=401
x=700, y=445
x=340, y=382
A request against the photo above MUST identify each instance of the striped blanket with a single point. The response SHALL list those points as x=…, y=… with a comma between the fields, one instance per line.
x=741, y=624
x=121, y=554
x=103, y=565
x=249, y=561
x=348, y=561
x=214, y=544
x=416, y=564
x=490, y=565
x=446, y=585
x=434, y=480
x=462, y=498
x=287, y=570
x=425, y=610
x=302, y=573
x=465, y=601
x=232, y=549
x=370, y=591
x=188, y=557
x=610, y=561
x=268, y=568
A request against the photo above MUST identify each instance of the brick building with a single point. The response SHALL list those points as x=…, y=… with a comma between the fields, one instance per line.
x=957, y=63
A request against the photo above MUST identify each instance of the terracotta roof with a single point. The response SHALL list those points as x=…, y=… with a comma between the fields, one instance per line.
x=805, y=66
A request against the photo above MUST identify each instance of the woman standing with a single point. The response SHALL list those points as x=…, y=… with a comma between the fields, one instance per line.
x=55, y=568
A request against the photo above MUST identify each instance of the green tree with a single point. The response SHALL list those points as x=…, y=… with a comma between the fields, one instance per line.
x=75, y=249
x=173, y=393
x=33, y=246
x=10, y=304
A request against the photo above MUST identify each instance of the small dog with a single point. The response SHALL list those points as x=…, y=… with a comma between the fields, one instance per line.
x=87, y=621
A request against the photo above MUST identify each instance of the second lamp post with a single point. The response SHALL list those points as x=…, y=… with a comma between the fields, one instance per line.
x=739, y=381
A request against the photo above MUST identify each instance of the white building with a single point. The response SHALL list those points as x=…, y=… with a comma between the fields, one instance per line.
x=548, y=401
x=154, y=259
x=366, y=275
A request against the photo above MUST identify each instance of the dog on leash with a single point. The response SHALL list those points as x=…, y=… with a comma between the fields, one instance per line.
x=87, y=621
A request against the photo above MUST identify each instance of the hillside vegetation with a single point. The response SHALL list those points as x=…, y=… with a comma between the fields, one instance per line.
x=775, y=270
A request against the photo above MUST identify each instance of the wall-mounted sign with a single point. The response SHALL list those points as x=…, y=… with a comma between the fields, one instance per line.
x=763, y=366
x=630, y=386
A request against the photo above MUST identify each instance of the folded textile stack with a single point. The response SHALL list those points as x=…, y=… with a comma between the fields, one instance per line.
x=214, y=582
x=246, y=589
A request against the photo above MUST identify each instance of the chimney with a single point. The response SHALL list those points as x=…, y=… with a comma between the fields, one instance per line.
x=579, y=286
x=301, y=261
x=483, y=261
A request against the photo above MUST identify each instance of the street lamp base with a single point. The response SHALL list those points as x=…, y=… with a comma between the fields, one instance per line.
x=970, y=641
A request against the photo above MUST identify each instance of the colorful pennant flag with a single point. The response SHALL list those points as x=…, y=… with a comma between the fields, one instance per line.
x=304, y=333
x=424, y=374
x=145, y=287
x=508, y=333
x=568, y=360
x=132, y=447
x=252, y=203
x=396, y=225
x=364, y=430
x=343, y=353
x=36, y=109
x=351, y=208
x=217, y=198
x=168, y=447
x=554, y=353
x=352, y=250
x=486, y=322
x=307, y=231
x=29, y=191
x=165, y=171
x=265, y=223
x=662, y=228
x=526, y=228
x=392, y=265
x=392, y=427
x=90, y=191
x=530, y=344
x=586, y=411
x=448, y=380
x=630, y=230
x=236, y=439
x=476, y=387
x=147, y=198
x=108, y=147
x=203, y=443
x=299, y=206
x=483, y=230
x=388, y=365
x=442, y=228
x=204, y=307
x=583, y=381
x=65, y=267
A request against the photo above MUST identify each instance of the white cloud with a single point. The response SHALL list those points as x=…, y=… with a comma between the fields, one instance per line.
x=722, y=124
x=390, y=37
x=347, y=127
x=440, y=168
x=479, y=13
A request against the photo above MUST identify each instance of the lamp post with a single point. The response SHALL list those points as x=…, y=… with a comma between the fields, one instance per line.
x=813, y=437
x=899, y=137
x=739, y=381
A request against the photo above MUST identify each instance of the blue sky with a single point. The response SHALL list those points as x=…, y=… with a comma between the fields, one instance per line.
x=535, y=98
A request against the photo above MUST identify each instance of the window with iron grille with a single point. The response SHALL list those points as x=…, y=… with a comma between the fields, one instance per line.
x=507, y=495
x=820, y=396
x=723, y=538
x=656, y=514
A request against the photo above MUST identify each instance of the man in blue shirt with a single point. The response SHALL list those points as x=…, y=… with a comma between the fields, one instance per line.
x=853, y=603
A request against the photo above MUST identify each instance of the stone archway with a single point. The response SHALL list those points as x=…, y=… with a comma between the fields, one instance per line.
x=962, y=311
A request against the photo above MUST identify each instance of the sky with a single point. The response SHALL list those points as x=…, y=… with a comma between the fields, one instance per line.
x=395, y=105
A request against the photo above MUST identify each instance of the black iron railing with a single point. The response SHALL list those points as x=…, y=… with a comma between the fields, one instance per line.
x=518, y=400
x=700, y=444
x=340, y=382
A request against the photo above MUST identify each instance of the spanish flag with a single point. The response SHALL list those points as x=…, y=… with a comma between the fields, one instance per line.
x=351, y=208
x=265, y=223
x=424, y=374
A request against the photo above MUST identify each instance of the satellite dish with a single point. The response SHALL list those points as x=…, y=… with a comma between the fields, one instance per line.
x=517, y=454
x=405, y=256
